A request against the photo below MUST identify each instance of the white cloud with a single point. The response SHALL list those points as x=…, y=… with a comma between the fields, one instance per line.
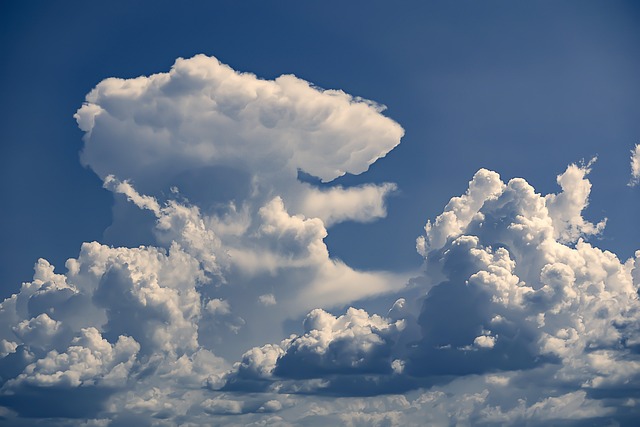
x=89, y=360
x=484, y=341
x=364, y=203
x=7, y=347
x=354, y=343
x=218, y=306
x=203, y=121
x=565, y=208
x=516, y=319
x=460, y=211
x=226, y=117
x=635, y=166
x=507, y=265
x=570, y=406
x=506, y=289
x=119, y=318
x=214, y=154
x=267, y=299
x=221, y=406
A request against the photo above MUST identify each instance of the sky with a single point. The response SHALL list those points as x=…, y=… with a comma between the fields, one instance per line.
x=320, y=213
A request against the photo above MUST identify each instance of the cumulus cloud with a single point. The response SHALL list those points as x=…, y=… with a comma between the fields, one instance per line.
x=89, y=360
x=516, y=318
x=203, y=121
x=635, y=166
x=227, y=116
x=119, y=318
x=510, y=285
x=517, y=280
x=354, y=343
x=565, y=208
x=217, y=154
x=214, y=155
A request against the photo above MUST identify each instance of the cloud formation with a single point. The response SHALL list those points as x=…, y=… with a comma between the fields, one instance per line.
x=516, y=318
x=215, y=156
x=635, y=166
x=204, y=121
x=237, y=241
x=510, y=286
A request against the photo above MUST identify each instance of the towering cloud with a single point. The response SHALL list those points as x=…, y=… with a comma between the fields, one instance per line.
x=518, y=319
x=229, y=136
x=237, y=241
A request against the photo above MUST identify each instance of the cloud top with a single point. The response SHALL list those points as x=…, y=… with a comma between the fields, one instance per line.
x=203, y=113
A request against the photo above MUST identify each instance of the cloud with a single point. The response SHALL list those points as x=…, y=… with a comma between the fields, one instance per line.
x=118, y=315
x=203, y=122
x=225, y=116
x=267, y=299
x=230, y=232
x=510, y=278
x=510, y=286
x=89, y=360
x=565, y=208
x=214, y=156
x=354, y=343
x=517, y=317
x=635, y=166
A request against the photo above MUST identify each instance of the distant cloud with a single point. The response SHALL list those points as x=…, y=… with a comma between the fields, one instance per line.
x=267, y=299
x=635, y=166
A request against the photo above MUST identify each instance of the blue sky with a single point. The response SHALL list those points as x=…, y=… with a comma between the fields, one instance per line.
x=522, y=89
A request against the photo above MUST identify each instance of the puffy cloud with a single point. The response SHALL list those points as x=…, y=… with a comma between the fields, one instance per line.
x=635, y=166
x=118, y=314
x=204, y=113
x=203, y=122
x=7, y=347
x=221, y=406
x=89, y=360
x=565, y=208
x=516, y=318
x=510, y=285
x=460, y=211
x=175, y=223
x=570, y=406
x=218, y=306
x=354, y=343
x=216, y=156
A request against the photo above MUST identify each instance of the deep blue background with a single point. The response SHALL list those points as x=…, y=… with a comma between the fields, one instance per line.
x=520, y=88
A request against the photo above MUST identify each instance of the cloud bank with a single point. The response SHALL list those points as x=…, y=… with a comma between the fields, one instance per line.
x=516, y=318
